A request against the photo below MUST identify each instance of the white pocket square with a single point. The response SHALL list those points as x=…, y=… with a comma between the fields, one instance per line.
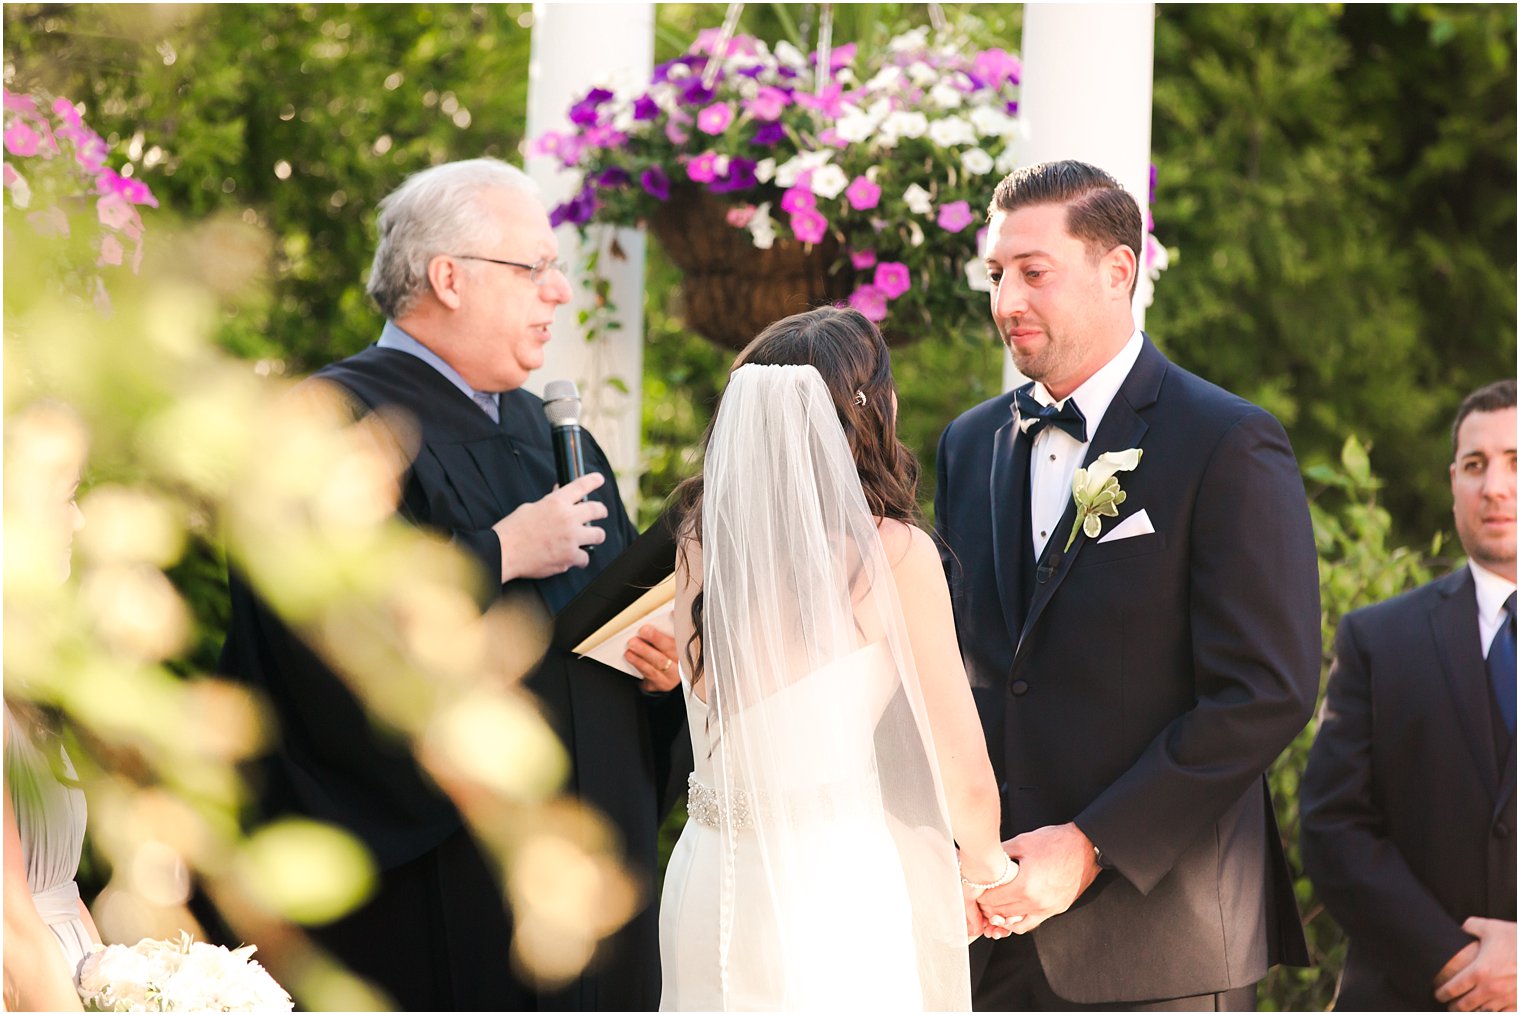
x=1137, y=524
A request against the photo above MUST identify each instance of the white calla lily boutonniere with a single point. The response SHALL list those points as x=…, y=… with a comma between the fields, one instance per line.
x=1097, y=493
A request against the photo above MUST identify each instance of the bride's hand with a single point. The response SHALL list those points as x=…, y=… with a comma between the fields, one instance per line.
x=976, y=920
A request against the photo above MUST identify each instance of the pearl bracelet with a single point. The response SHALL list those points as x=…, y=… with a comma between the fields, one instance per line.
x=1010, y=871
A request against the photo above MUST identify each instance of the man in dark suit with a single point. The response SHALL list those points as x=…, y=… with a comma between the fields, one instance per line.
x=467, y=276
x=1137, y=665
x=1408, y=799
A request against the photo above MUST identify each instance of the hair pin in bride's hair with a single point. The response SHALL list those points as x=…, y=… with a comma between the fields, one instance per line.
x=860, y=397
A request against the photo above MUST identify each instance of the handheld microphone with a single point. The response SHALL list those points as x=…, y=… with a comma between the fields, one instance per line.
x=562, y=406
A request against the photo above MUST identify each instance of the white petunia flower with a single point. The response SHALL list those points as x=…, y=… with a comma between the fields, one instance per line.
x=946, y=96
x=790, y=56
x=951, y=130
x=905, y=124
x=976, y=161
x=1006, y=162
x=990, y=121
x=909, y=41
x=976, y=276
x=765, y=169
x=918, y=200
x=922, y=74
x=855, y=126
x=828, y=181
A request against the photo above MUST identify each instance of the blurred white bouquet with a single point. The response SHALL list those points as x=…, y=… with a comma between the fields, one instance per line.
x=182, y=975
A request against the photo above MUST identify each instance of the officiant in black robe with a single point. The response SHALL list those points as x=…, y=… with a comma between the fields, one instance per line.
x=467, y=276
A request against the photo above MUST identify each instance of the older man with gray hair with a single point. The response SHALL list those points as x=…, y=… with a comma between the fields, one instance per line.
x=467, y=275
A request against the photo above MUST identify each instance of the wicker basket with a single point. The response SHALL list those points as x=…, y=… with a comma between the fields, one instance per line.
x=732, y=288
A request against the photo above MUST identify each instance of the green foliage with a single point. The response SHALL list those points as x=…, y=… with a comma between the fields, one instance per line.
x=1359, y=565
x=296, y=118
x=1340, y=182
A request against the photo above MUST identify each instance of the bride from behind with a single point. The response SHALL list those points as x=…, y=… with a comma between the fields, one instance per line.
x=838, y=754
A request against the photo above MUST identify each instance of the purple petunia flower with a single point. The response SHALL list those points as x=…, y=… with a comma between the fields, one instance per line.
x=768, y=134
x=612, y=177
x=585, y=112
x=955, y=216
x=655, y=183
x=892, y=279
x=694, y=93
x=871, y=303
x=576, y=211
x=715, y=118
x=740, y=176
x=860, y=260
x=862, y=194
x=809, y=226
x=645, y=108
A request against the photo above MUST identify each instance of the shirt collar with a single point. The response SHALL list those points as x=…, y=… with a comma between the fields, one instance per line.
x=392, y=337
x=1492, y=589
x=1096, y=393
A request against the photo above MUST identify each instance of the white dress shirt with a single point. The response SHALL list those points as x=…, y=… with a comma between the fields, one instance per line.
x=1055, y=455
x=1493, y=590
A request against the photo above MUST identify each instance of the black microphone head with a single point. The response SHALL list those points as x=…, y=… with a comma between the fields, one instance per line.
x=562, y=403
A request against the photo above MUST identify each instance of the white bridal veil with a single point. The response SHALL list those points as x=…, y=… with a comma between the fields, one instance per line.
x=838, y=885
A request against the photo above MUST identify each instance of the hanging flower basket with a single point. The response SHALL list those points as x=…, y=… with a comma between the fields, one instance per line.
x=779, y=180
x=732, y=289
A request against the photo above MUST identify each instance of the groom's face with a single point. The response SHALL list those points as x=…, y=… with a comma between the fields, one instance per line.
x=1483, y=488
x=1050, y=298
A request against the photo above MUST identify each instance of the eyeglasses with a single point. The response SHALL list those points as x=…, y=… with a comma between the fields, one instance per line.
x=538, y=271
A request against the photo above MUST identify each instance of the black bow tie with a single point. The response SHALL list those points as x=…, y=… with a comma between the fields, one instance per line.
x=1033, y=416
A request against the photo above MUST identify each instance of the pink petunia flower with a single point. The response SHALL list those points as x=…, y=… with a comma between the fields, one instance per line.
x=871, y=302
x=768, y=104
x=703, y=168
x=674, y=132
x=955, y=216
x=110, y=251
x=715, y=118
x=114, y=212
x=798, y=199
x=892, y=279
x=862, y=194
x=809, y=225
x=860, y=260
x=21, y=139
x=739, y=216
x=996, y=66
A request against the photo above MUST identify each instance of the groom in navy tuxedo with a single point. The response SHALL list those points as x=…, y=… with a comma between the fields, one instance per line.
x=1139, y=655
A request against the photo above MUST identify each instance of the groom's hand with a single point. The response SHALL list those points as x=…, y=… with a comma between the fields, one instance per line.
x=1056, y=864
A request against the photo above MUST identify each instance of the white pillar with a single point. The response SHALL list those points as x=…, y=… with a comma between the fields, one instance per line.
x=1085, y=94
x=576, y=46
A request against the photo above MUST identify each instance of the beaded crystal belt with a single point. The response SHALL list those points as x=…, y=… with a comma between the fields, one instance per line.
x=711, y=807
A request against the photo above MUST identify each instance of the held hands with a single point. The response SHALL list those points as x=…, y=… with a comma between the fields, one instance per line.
x=544, y=538
x=1481, y=977
x=1056, y=865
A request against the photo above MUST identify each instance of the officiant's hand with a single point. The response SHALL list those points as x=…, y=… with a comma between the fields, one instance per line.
x=653, y=653
x=1481, y=977
x=1056, y=865
x=545, y=537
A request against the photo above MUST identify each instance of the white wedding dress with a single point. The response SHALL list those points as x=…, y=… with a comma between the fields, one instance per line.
x=816, y=870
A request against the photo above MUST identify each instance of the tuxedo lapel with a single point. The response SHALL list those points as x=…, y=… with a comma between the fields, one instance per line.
x=1010, y=466
x=1454, y=624
x=1122, y=428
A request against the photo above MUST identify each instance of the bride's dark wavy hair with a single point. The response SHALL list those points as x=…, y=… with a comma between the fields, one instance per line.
x=850, y=354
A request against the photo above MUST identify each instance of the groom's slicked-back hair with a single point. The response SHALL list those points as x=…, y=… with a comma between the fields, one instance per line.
x=1495, y=397
x=1099, y=212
